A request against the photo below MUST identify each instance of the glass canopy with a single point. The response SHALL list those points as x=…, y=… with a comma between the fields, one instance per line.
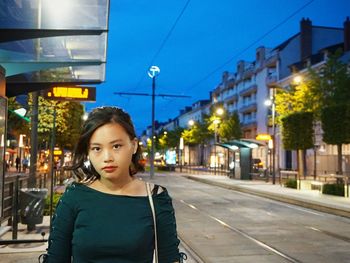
x=54, y=14
x=53, y=41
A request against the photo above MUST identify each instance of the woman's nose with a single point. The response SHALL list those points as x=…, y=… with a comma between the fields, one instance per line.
x=107, y=156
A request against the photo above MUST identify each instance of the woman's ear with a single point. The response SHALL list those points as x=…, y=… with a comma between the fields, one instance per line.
x=136, y=145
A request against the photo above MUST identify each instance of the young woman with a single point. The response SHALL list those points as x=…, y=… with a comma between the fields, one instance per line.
x=105, y=216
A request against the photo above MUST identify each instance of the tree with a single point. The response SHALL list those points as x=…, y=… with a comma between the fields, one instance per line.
x=172, y=138
x=336, y=128
x=295, y=107
x=230, y=128
x=67, y=123
x=331, y=88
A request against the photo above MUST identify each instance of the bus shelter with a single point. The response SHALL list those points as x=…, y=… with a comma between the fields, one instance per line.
x=49, y=43
x=239, y=157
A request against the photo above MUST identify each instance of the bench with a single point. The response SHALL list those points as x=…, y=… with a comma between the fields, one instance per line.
x=289, y=173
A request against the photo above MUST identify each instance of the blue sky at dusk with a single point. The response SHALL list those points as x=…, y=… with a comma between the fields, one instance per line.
x=209, y=35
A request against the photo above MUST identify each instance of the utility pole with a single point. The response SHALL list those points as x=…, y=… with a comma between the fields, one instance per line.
x=152, y=73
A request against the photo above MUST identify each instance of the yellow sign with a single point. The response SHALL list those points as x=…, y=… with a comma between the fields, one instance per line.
x=57, y=152
x=263, y=137
x=75, y=93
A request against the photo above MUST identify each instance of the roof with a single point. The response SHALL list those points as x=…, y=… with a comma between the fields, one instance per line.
x=67, y=46
x=242, y=143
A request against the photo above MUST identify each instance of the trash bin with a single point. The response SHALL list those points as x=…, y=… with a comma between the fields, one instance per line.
x=32, y=203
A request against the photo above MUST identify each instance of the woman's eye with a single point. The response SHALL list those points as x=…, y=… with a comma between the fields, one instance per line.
x=117, y=146
x=95, y=149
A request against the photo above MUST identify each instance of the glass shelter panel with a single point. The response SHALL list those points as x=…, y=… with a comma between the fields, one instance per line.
x=55, y=49
x=54, y=14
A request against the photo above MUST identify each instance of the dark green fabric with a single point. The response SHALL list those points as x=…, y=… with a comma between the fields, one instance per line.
x=91, y=226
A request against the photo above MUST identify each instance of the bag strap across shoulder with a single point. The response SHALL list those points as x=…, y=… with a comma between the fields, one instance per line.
x=150, y=199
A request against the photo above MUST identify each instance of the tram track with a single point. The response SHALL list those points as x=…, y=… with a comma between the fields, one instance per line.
x=242, y=233
x=295, y=207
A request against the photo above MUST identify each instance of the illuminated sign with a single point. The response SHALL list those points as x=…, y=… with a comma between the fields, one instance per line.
x=153, y=71
x=70, y=93
x=57, y=151
x=263, y=137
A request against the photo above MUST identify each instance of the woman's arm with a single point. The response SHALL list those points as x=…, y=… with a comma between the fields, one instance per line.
x=168, y=241
x=60, y=240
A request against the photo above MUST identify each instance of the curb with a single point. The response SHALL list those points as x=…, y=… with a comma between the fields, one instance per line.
x=278, y=197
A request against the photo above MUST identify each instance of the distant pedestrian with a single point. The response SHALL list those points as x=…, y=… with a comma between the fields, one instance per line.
x=18, y=164
x=25, y=163
x=106, y=215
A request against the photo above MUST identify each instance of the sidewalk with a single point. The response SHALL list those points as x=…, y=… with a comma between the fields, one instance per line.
x=313, y=199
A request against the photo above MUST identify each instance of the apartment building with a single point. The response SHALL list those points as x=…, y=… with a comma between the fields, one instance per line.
x=246, y=89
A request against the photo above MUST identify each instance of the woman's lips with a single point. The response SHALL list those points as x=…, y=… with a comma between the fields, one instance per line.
x=109, y=169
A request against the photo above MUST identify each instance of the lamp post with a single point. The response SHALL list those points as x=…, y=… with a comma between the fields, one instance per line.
x=181, y=147
x=216, y=121
x=153, y=71
x=271, y=102
x=191, y=124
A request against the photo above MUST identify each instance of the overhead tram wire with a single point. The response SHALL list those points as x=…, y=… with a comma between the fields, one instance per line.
x=163, y=43
x=249, y=46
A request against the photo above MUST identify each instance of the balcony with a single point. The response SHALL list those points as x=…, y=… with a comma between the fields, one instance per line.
x=248, y=72
x=251, y=89
x=231, y=98
x=248, y=107
x=271, y=80
x=271, y=60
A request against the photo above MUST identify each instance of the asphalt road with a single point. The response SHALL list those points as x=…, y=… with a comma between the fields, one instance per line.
x=227, y=226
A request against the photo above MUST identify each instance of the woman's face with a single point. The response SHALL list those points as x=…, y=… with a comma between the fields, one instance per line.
x=110, y=151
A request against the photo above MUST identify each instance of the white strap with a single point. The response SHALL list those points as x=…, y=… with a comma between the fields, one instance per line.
x=150, y=199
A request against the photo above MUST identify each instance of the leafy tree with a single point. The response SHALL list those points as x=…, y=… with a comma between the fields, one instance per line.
x=294, y=125
x=295, y=107
x=331, y=85
x=298, y=134
x=336, y=128
x=197, y=134
x=171, y=139
x=67, y=123
x=230, y=128
x=74, y=115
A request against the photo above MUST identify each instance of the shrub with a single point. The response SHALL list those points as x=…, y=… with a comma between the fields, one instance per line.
x=333, y=189
x=56, y=198
x=291, y=183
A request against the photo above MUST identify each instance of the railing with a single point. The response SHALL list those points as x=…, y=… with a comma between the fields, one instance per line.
x=9, y=195
x=12, y=185
x=271, y=80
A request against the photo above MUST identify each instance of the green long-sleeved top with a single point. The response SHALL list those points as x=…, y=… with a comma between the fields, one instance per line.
x=92, y=226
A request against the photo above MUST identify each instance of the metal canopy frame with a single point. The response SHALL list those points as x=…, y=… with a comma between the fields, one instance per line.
x=15, y=34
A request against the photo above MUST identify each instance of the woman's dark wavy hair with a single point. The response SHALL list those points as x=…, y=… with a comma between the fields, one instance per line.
x=81, y=166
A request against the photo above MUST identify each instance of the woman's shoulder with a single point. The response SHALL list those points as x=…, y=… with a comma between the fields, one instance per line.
x=73, y=190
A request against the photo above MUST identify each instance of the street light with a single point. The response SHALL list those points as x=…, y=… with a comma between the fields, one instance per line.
x=191, y=124
x=153, y=72
x=216, y=121
x=271, y=103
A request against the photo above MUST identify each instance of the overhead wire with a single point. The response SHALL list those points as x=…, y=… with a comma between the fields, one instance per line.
x=163, y=43
x=249, y=46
